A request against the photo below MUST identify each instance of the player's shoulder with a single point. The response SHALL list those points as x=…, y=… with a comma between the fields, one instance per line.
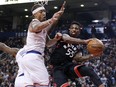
x=65, y=35
x=34, y=23
x=35, y=20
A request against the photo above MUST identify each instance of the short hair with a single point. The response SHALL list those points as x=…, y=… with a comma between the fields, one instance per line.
x=35, y=7
x=77, y=23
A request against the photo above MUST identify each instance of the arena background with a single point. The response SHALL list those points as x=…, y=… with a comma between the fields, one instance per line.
x=98, y=18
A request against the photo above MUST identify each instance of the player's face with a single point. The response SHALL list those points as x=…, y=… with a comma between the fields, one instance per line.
x=41, y=15
x=74, y=30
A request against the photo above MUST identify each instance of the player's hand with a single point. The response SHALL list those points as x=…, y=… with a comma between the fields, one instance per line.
x=87, y=41
x=58, y=14
x=58, y=36
x=97, y=54
x=63, y=6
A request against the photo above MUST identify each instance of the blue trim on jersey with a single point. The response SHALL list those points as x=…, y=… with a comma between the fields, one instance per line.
x=21, y=74
x=33, y=51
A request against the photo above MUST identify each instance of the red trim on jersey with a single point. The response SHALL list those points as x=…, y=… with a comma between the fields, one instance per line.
x=76, y=70
x=65, y=85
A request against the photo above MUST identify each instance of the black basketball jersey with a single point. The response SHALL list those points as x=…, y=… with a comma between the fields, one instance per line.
x=64, y=53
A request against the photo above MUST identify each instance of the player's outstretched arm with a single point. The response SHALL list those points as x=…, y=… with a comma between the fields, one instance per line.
x=7, y=49
x=36, y=27
x=56, y=17
x=52, y=42
x=72, y=40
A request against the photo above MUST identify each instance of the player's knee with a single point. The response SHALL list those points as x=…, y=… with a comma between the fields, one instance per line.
x=91, y=72
x=87, y=71
x=65, y=85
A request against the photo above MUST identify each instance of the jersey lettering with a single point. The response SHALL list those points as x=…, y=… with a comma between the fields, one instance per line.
x=70, y=50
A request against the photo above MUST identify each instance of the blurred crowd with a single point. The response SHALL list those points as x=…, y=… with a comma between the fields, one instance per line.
x=8, y=65
x=105, y=66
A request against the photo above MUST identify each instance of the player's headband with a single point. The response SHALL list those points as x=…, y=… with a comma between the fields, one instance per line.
x=38, y=9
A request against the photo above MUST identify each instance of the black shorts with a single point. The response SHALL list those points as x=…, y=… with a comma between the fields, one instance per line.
x=62, y=73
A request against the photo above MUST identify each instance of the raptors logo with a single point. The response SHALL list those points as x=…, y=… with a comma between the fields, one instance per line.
x=71, y=49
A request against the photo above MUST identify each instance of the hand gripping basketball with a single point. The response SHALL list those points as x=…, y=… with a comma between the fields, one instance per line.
x=95, y=46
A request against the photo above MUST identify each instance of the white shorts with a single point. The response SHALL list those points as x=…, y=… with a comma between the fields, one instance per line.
x=34, y=69
x=19, y=81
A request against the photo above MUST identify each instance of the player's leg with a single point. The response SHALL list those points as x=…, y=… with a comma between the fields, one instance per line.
x=88, y=71
x=60, y=79
x=70, y=72
x=19, y=81
x=35, y=69
x=76, y=71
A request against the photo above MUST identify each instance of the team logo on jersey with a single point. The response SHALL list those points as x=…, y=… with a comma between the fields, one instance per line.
x=71, y=49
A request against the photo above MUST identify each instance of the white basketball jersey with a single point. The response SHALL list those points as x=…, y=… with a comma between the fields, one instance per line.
x=36, y=41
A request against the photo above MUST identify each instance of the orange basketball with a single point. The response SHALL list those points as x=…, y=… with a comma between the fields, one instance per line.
x=95, y=46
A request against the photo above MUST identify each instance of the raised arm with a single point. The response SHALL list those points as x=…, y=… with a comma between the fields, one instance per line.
x=7, y=49
x=57, y=16
x=36, y=27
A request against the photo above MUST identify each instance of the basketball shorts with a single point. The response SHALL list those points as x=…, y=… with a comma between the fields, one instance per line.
x=19, y=81
x=34, y=69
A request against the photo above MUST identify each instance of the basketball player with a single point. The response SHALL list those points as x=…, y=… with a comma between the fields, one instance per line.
x=18, y=54
x=67, y=49
x=35, y=72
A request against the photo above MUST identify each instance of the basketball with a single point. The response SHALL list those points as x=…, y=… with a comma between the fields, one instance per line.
x=95, y=46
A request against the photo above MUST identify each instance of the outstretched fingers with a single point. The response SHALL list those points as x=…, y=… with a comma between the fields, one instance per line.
x=63, y=6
